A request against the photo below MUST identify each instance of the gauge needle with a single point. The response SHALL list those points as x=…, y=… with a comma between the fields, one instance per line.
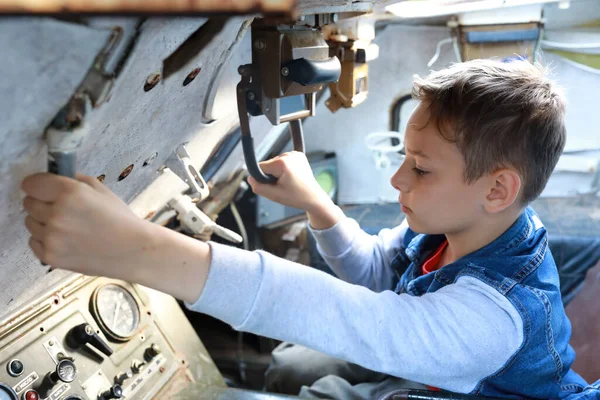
x=117, y=308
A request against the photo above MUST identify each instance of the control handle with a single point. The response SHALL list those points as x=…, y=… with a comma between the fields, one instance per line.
x=66, y=372
x=84, y=333
x=310, y=72
x=115, y=392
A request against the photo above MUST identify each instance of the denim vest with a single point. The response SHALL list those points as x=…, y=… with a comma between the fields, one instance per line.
x=519, y=265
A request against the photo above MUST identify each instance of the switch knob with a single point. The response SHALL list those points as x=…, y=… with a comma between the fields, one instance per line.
x=151, y=352
x=115, y=392
x=122, y=377
x=66, y=371
x=31, y=395
x=136, y=366
x=15, y=368
x=84, y=333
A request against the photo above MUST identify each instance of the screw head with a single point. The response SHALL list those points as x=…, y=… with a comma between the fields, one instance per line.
x=285, y=71
x=259, y=44
x=250, y=95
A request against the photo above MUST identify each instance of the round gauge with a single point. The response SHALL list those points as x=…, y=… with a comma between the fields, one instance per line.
x=6, y=393
x=116, y=311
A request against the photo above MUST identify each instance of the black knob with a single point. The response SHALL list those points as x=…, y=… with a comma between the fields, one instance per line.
x=115, y=392
x=151, y=352
x=84, y=334
x=66, y=371
x=15, y=368
x=136, y=366
x=122, y=377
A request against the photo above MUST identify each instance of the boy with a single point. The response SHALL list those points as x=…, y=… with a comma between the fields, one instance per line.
x=463, y=296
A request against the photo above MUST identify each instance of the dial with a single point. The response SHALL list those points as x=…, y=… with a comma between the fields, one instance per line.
x=6, y=393
x=116, y=311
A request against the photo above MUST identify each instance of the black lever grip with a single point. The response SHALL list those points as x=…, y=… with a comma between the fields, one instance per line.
x=250, y=156
x=253, y=167
x=84, y=333
x=308, y=72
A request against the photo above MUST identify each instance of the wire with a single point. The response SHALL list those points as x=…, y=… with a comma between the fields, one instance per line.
x=242, y=228
x=240, y=336
x=582, y=67
x=572, y=46
x=438, y=50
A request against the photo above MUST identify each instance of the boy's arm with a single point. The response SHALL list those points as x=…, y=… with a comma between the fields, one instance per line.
x=360, y=258
x=451, y=339
x=352, y=254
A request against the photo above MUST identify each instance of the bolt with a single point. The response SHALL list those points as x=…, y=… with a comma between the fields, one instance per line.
x=51, y=343
x=285, y=71
x=260, y=44
x=251, y=95
x=335, y=17
x=151, y=81
x=191, y=76
x=194, y=219
x=84, y=386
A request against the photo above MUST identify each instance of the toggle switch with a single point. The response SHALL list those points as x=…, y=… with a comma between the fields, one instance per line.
x=122, y=377
x=136, y=366
x=84, y=334
x=151, y=352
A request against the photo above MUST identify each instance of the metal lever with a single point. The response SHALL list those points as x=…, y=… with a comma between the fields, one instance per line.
x=248, y=142
x=192, y=218
x=310, y=72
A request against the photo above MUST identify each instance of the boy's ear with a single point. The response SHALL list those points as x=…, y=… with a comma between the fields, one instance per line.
x=504, y=189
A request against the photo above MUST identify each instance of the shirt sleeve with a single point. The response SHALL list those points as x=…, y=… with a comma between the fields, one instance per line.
x=360, y=258
x=451, y=339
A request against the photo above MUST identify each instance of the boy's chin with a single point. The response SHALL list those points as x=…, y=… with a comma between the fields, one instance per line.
x=421, y=228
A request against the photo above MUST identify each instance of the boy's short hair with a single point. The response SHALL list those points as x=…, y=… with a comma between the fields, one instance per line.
x=500, y=115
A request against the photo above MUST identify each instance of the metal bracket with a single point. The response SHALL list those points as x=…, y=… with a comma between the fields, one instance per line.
x=193, y=219
x=181, y=164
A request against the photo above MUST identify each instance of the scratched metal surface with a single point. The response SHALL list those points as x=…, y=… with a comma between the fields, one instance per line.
x=43, y=62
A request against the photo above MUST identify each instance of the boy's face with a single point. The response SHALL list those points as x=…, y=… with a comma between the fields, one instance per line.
x=433, y=192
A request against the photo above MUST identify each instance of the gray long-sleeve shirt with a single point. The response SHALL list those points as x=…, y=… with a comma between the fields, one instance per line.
x=450, y=339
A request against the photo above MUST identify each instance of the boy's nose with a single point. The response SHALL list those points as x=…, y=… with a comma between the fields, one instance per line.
x=399, y=180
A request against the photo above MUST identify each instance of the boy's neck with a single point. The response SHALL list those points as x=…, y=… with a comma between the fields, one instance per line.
x=480, y=235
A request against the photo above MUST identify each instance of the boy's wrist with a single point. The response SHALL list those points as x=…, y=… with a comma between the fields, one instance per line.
x=323, y=214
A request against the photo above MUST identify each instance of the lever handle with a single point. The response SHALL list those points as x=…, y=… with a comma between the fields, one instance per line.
x=84, y=333
x=248, y=141
x=309, y=72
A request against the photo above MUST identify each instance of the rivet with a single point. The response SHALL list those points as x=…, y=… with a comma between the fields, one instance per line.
x=126, y=172
x=151, y=81
x=191, y=76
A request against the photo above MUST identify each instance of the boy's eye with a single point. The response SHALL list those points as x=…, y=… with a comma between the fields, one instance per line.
x=420, y=172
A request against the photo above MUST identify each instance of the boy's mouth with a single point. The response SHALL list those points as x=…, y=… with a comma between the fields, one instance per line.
x=403, y=207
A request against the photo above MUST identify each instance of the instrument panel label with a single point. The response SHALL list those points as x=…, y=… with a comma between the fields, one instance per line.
x=64, y=388
x=24, y=384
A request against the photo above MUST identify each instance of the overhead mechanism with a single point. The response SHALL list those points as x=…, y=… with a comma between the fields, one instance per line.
x=287, y=61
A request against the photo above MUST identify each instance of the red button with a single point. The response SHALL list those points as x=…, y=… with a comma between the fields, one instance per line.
x=31, y=395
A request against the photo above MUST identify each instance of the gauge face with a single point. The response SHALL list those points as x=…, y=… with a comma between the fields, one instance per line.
x=117, y=311
x=6, y=393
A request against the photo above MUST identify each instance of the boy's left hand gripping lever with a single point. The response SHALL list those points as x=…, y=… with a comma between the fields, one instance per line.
x=65, y=134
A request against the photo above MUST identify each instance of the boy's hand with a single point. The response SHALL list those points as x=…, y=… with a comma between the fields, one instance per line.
x=81, y=225
x=297, y=187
